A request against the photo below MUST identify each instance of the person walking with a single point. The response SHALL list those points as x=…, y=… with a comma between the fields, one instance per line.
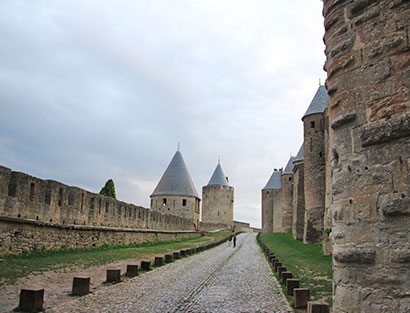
x=229, y=241
x=234, y=241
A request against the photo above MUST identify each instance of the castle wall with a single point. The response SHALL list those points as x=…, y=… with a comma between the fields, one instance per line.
x=19, y=235
x=298, y=222
x=242, y=226
x=314, y=171
x=267, y=211
x=31, y=199
x=287, y=202
x=327, y=220
x=368, y=53
x=184, y=206
x=217, y=204
x=277, y=210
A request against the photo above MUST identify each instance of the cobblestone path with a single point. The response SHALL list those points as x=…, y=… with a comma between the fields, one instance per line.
x=223, y=279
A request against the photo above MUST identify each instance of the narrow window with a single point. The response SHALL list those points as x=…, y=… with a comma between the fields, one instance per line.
x=31, y=191
x=82, y=202
x=164, y=201
x=107, y=205
x=12, y=190
x=183, y=202
x=60, y=196
x=312, y=124
x=290, y=178
x=100, y=206
x=320, y=153
x=218, y=213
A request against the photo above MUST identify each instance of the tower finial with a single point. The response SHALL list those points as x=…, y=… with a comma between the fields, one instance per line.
x=219, y=159
x=320, y=82
x=178, y=145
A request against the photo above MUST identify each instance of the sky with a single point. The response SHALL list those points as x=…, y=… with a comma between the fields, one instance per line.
x=92, y=90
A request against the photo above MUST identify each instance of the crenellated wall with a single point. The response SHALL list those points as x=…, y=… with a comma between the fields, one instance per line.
x=54, y=206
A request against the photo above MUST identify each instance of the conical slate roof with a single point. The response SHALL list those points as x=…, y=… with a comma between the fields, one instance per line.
x=301, y=154
x=319, y=102
x=218, y=177
x=176, y=179
x=289, y=166
x=274, y=181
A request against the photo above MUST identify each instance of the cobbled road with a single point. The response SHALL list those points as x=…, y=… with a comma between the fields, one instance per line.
x=223, y=279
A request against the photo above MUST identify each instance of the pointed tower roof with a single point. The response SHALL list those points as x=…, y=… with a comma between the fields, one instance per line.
x=274, y=181
x=289, y=166
x=176, y=179
x=319, y=102
x=301, y=154
x=218, y=177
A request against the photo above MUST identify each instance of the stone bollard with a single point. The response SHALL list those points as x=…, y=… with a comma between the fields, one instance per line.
x=168, y=258
x=291, y=284
x=31, y=300
x=182, y=253
x=113, y=276
x=132, y=270
x=301, y=297
x=273, y=261
x=81, y=286
x=159, y=260
x=276, y=265
x=280, y=270
x=176, y=255
x=188, y=251
x=146, y=265
x=318, y=307
x=285, y=276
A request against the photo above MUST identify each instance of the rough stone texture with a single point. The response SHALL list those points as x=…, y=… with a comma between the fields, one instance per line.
x=287, y=202
x=298, y=223
x=113, y=276
x=217, y=204
x=314, y=181
x=175, y=206
x=267, y=211
x=31, y=300
x=368, y=53
x=19, y=235
x=218, y=280
x=81, y=286
x=327, y=220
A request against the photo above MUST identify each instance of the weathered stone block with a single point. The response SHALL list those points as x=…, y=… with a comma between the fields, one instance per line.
x=276, y=265
x=291, y=284
x=132, y=270
x=113, y=276
x=145, y=265
x=81, y=286
x=182, y=253
x=355, y=255
x=176, y=255
x=31, y=300
x=318, y=307
x=159, y=260
x=301, y=297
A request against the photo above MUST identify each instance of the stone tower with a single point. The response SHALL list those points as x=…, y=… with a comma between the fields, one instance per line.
x=368, y=81
x=271, y=204
x=217, y=199
x=175, y=193
x=314, y=167
x=298, y=224
x=287, y=196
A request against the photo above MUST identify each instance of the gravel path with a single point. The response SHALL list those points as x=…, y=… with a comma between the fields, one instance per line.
x=223, y=279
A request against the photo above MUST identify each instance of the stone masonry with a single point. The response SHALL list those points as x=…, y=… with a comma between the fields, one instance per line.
x=368, y=58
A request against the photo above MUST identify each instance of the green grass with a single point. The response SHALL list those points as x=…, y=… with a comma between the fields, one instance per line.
x=306, y=262
x=13, y=267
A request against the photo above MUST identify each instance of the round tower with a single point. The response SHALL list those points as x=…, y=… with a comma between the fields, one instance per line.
x=287, y=196
x=175, y=193
x=298, y=224
x=217, y=196
x=271, y=204
x=314, y=167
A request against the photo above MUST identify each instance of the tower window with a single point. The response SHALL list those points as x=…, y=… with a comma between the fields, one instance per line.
x=32, y=191
x=183, y=202
x=312, y=124
x=164, y=201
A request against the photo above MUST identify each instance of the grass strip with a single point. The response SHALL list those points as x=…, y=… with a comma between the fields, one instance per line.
x=306, y=262
x=13, y=267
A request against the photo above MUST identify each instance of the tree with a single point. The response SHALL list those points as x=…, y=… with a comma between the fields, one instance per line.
x=108, y=189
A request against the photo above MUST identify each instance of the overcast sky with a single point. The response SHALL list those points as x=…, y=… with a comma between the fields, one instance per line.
x=91, y=90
